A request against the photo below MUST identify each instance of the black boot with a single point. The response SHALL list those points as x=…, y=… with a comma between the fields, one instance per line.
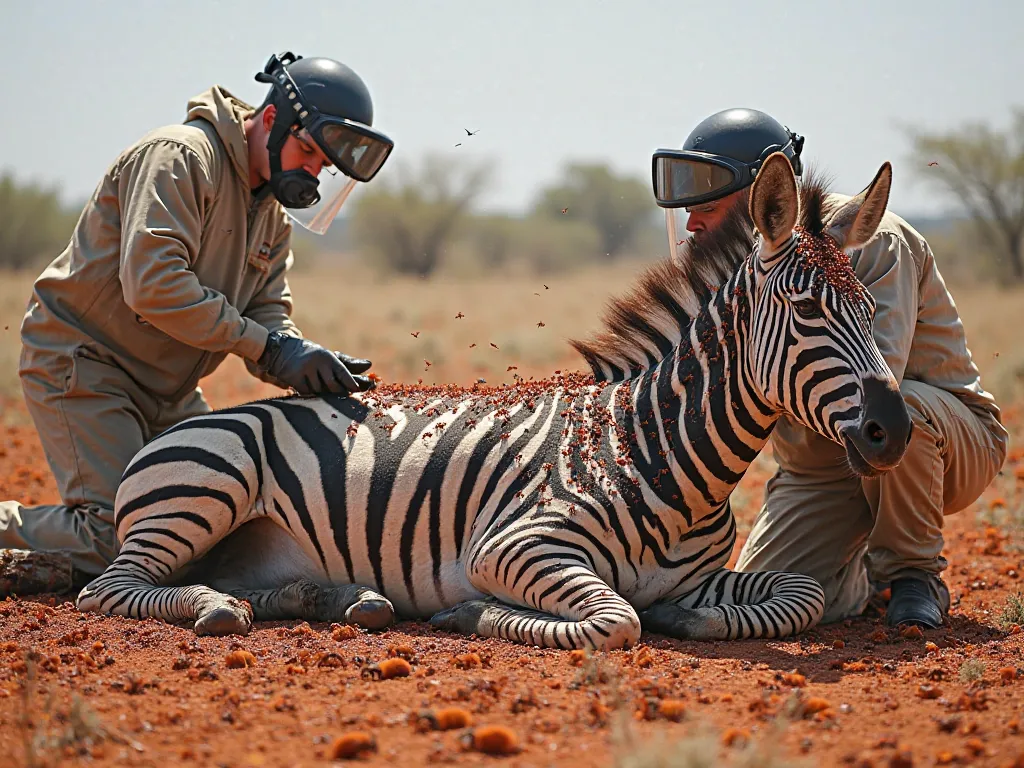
x=915, y=601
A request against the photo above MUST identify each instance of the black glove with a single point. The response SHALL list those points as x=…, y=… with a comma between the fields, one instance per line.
x=310, y=369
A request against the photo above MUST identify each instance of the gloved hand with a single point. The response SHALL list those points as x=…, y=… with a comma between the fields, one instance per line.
x=310, y=369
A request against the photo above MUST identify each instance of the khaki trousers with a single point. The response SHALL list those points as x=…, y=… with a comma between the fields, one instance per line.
x=92, y=418
x=846, y=531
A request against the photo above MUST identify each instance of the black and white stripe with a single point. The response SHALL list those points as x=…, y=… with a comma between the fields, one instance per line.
x=557, y=514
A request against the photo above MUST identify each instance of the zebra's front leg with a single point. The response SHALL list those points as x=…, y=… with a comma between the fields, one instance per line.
x=737, y=606
x=126, y=592
x=571, y=608
x=304, y=599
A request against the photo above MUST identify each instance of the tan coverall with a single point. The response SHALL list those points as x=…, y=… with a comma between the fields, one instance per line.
x=819, y=519
x=173, y=265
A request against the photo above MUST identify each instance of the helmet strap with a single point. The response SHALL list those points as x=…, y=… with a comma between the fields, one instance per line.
x=296, y=188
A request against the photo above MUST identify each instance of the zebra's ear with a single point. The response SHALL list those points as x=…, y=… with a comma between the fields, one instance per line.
x=774, y=201
x=854, y=223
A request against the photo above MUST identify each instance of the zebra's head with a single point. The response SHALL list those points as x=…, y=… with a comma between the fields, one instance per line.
x=811, y=349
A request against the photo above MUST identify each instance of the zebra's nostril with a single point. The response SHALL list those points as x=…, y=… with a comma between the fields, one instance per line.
x=874, y=433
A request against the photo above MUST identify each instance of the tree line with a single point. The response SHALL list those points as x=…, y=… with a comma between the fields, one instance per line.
x=417, y=219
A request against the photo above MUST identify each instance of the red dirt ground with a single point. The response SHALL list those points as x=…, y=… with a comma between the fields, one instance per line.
x=76, y=689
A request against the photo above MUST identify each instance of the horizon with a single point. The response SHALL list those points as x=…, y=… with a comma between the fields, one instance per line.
x=540, y=94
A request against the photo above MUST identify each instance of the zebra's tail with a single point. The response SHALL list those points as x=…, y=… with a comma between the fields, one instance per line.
x=739, y=606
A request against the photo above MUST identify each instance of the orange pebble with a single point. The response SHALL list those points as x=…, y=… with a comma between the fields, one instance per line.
x=352, y=745
x=815, y=704
x=795, y=680
x=341, y=632
x=447, y=719
x=913, y=632
x=733, y=735
x=672, y=709
x=493, y=740
x=1008, y=674
x=404, y=651
x=975, y=747
x=240, y=660
x=576, y=658
x=394, y=667
x=468, y=661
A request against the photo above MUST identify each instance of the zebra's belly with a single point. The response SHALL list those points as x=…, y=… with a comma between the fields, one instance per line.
x=418, y=573
x=652, y=583
x=649, y=588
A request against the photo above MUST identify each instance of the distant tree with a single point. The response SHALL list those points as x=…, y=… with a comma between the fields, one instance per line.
x=409, y=222
x=494, y=239
x=983, y=169
x=34, y=226
x=618, y=207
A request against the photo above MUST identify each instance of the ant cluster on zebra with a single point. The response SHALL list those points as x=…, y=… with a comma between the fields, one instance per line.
x=569, y=512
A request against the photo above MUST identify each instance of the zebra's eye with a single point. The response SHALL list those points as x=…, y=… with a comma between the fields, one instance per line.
x=807, y=308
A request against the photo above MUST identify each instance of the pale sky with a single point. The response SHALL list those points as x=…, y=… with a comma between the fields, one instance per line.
x=544, y=81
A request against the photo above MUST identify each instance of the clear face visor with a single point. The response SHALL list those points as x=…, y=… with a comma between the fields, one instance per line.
x=675, y=226
x=334, y=189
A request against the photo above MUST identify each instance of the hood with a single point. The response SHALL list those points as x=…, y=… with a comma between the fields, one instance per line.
x=227, y=114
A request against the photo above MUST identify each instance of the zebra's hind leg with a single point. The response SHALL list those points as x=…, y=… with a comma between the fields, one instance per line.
x=736, y=606
x=305, y=599
x=573, y=608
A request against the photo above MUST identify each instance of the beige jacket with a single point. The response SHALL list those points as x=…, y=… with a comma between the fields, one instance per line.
x=173, y=264
x=917, y=329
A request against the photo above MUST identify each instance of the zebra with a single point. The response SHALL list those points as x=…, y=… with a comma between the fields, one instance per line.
x=568, y=513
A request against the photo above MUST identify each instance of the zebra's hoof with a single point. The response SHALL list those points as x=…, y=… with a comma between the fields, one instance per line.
x=672, y=621
x=372, y=613
x=224, y=621
x=463, y=618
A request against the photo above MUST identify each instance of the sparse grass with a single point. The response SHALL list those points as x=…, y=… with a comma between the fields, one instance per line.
x=50, y=732
x=596, y=670
x=699, y=745
x=1013, y=611
x=351, y=309
x=972, y=670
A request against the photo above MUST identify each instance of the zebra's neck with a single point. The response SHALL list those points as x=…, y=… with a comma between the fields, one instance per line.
x=698, y=418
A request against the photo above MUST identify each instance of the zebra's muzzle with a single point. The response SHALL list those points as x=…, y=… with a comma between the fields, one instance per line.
x=879, y=441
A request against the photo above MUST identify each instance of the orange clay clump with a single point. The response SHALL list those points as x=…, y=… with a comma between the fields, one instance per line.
x=447, y=719
x=353, y=744
x=394, y=667
x=492, y=740
x=341, y=632
x=240, y=660
x=672, y=709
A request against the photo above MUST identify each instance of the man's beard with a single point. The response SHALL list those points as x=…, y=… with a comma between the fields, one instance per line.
x=721, y=249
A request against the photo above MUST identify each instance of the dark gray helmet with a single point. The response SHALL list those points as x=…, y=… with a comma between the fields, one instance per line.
x=720, y=156
x=333, y=105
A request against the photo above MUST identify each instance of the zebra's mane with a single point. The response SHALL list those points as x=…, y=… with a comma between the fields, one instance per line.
x=642, y=326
